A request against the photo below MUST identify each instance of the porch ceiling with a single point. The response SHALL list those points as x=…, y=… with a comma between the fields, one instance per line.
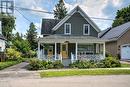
x=70, y=39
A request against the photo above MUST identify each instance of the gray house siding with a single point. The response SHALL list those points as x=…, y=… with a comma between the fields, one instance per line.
x=77, y=22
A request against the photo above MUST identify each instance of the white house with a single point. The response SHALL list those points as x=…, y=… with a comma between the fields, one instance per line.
x=2, y=40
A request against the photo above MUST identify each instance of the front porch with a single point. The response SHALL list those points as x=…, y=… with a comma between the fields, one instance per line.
x=68, y=50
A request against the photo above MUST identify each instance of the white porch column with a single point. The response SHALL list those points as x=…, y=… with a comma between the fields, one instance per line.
x=55, y=50
x=39, y=50
x=76, y=51
x=104, y=50
x=43, y=55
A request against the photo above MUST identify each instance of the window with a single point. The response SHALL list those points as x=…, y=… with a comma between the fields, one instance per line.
x=67, y=28
x=86, y=29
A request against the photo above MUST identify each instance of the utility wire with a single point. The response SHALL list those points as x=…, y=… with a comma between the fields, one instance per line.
x=42, y=11
x=25, y=17
x=19, y=13
x=27, y=9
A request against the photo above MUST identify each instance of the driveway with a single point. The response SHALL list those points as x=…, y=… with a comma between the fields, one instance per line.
x=74, y=81
x=17, y=67
x=18, y=71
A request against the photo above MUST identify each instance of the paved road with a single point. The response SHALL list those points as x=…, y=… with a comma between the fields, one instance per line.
x=74, y=81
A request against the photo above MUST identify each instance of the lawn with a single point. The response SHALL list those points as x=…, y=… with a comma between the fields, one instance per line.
x=7, y=64
x=79, y=72
x=124, y=65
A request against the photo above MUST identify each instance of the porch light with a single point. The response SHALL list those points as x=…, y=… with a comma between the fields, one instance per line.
x=66, y=42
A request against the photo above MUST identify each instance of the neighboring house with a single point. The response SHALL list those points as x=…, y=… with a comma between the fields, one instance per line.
x=2, y=43
x=2, y=40
x=118, y=43
x=73, y=38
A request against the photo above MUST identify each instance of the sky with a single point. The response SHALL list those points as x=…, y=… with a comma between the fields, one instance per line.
x=93, y=8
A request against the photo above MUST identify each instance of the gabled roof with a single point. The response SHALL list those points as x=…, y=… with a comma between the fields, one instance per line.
x=103, y=32
x=77, y=9
x=116, y=32
x=47, y=25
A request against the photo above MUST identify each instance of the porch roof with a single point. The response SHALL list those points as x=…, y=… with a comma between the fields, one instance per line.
x=70, y=39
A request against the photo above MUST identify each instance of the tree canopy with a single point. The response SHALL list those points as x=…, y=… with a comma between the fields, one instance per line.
x=122, y=16
x=60, y=10
x=31, y=36
x=8, y=25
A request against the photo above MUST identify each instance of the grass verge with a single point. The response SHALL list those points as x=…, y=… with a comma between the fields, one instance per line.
x=78, y=72
x=7, y=64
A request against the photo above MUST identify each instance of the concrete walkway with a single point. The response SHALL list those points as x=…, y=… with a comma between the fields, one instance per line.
x=73, y=81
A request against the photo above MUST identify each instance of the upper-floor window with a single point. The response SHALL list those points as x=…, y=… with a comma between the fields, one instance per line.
x=86, y=29
x=67, y=28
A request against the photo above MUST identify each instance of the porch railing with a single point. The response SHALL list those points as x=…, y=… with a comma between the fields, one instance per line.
x=96, y=57
x=73, y=58
x=90, y=57
x=51, y=58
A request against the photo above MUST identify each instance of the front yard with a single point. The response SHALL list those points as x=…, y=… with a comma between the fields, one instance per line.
x=7, y=64
x=122, y=70
x=79, y=72
x=125, y=65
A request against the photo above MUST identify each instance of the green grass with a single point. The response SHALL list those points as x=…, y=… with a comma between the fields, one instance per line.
x=125, y=65
x=7, y=64
x=78, y=72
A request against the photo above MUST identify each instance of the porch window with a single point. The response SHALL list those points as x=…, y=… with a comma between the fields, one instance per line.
x=67, y=28
x=86, y=29
x=86, y=49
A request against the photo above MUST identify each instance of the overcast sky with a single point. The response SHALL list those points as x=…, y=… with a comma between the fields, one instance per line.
x=93, y=8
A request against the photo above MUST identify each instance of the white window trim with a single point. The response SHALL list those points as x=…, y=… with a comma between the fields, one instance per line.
x=65, y=29
x=88, y=29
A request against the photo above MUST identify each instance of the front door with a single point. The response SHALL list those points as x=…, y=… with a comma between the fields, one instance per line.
x=64, y=50
x=50, y=51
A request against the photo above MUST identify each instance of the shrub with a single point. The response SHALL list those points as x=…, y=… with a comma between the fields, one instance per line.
x=31, y=53
x=112, y=62
x=81, y=64
x=35, y=64
x=108, y=62
x=49, y=65
x=58, y=65
x=13, y=54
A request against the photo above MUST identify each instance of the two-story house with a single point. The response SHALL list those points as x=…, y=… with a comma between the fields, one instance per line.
x=75, y=37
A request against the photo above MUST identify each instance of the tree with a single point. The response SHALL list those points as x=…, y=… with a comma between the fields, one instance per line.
x=122, y=16
x=8, y=25
x=20, y=44
x=60, y=10
x=31, y=36
x=17, y=36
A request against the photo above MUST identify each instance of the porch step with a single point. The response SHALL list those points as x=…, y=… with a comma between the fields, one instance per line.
x=66, y=62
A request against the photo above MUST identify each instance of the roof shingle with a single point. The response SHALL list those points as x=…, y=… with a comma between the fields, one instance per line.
x=116, y=32
x=47, y=25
